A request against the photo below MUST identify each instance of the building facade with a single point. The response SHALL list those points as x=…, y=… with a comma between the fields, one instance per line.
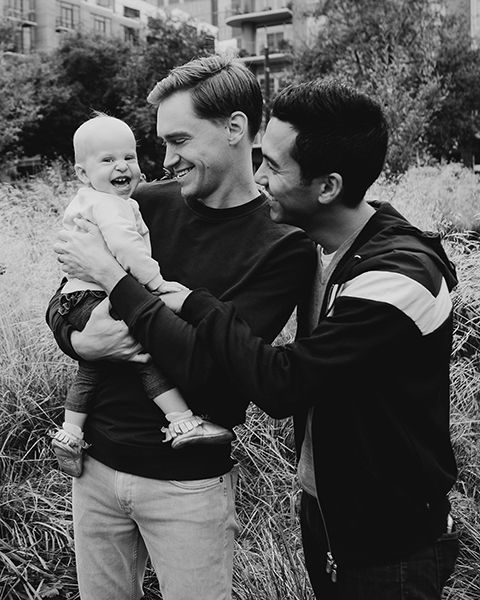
x=40, y=24
x=263, y=36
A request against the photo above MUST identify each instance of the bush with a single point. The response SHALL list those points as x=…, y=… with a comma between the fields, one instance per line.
x=444, y=198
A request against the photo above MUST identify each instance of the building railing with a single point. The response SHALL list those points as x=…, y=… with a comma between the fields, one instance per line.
x=253, y=6
x=66, y=23
x=18, y=14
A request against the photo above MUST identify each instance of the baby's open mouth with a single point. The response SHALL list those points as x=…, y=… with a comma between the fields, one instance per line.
x=121, y=181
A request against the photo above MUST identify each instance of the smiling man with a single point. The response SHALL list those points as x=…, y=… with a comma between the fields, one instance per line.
x=210, y=227
x=367, y=382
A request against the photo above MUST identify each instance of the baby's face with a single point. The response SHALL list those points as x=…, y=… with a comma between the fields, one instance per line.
x=111, y=165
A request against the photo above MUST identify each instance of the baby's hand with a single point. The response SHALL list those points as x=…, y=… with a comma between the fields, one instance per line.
x=170, y=286
x=173, y=294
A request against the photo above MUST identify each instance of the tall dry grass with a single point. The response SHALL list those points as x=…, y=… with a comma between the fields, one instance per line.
x=36, y=558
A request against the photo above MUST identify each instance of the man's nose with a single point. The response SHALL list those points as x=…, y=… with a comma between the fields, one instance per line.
x=171, y=157
x=261, y=175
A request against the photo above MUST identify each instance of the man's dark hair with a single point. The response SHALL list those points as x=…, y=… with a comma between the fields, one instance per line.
x=339, y=130
x=219, y=85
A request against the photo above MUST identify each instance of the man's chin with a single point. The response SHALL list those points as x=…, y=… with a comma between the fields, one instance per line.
x=275, y=215
x=185, y=193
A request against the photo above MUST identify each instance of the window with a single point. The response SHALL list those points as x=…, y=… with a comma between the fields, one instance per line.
x=275, y=41
x=20, y=9
x=130, y=35
x=101, y=25
x=105, y=3
x=131, y=13
x=67, y=15
x=24, y=40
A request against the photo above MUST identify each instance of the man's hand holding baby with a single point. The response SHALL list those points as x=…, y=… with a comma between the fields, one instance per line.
x=104, y=338
x=83, y=254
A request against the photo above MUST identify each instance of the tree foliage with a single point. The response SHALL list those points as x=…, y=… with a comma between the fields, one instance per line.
x=18, y=105
x=81, y=76
x=8, y=32
x=452, y=131
x=388, y=50
x=170, y=43
x=88, y=73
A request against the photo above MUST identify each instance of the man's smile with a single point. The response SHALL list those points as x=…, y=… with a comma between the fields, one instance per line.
x=182, y=172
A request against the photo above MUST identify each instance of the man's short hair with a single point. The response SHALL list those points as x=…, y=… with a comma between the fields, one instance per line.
x=219, y=85
x=340, y=130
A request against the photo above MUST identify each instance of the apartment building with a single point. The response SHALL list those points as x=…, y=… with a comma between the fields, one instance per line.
x=263, y=35
x=40, y=24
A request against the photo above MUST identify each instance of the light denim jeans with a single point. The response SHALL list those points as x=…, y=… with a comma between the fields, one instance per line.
x=186, y=527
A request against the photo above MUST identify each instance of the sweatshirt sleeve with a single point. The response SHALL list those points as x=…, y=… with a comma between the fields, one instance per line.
x=118, y=221
x=378, y=318
x=265, y=303
x=283, y=379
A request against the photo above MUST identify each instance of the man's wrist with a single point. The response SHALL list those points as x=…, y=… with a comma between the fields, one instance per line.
x=111, y=276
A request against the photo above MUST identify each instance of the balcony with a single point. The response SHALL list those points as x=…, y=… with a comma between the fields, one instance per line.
x=63, y=25
x=281, y=52
x=261, y=18
x=24, y=17
x=274, y=58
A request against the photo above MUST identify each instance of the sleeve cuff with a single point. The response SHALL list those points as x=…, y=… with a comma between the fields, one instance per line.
x=128, y=296
x=197, y=305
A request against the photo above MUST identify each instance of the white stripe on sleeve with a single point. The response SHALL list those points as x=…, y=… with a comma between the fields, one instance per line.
x=427, y=311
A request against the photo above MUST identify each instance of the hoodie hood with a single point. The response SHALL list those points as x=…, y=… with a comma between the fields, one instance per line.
x=388, y=228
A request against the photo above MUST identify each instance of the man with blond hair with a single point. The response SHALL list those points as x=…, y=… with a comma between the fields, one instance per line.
x=210, y=227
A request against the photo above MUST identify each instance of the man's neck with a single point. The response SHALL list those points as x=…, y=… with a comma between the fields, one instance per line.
x=227, y=196
x=238, y=186
x=338, y=224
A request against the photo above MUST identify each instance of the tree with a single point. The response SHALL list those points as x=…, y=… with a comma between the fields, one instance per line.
x=89, y=73
x=18, y=104
x=81, y=76
x=388, y=50
x=170, y=43
x=8, y=33
x=452, y=132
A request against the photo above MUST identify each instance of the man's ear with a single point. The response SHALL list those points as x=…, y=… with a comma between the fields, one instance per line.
x=237, y=127
x=81, y=174
x=330, y=188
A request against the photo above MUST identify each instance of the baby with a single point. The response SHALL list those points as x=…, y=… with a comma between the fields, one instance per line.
x=106, y=163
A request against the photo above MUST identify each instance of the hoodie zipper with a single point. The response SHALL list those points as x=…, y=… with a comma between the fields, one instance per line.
x=331, y=564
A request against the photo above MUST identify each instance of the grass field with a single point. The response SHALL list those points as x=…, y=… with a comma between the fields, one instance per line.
x=36, y=557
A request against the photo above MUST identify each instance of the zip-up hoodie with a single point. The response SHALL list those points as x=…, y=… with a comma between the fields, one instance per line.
x=376, y=371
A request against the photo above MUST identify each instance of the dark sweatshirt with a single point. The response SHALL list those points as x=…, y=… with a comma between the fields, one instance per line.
x=243, y=257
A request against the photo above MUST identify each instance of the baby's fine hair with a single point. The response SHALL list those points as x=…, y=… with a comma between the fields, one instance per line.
x=87, y=129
